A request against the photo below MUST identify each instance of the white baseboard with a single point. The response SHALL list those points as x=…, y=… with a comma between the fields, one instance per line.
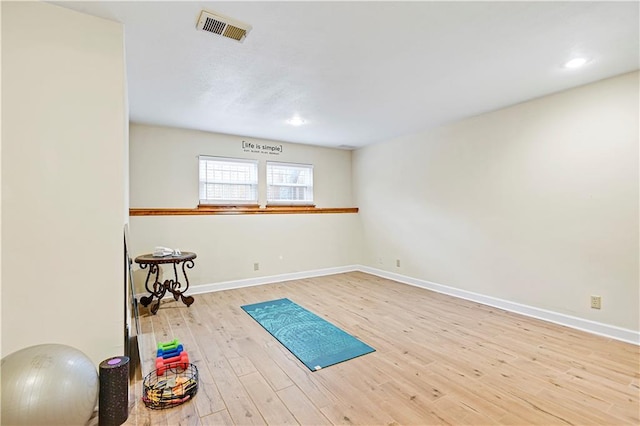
x=250, y=282
x=601, y=329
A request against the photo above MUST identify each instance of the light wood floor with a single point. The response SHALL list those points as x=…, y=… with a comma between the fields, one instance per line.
x=438, y=360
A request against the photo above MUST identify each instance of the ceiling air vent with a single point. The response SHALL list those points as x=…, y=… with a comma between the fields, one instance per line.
x=222, y=25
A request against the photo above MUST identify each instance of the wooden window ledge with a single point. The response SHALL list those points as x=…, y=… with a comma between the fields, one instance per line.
x=230, y=210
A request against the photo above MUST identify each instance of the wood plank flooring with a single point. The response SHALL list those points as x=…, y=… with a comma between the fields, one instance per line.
x=438, y=360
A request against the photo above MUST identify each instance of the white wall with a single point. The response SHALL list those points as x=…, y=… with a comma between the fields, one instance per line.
x=164, y=173
x=64, y=130
x=535, y=204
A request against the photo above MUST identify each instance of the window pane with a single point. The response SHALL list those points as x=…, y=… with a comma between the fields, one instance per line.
x=289, y=183
x=228, y=180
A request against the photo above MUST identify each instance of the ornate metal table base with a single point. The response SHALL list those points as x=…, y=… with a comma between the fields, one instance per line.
x=159, y=289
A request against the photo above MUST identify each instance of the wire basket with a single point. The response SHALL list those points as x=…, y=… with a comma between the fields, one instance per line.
x=176, y=386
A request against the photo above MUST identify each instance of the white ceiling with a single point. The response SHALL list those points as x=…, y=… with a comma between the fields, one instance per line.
x=360, y=72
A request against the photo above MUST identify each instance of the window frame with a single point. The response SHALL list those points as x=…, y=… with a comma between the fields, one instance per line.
x=309, y=188
x=228, y=202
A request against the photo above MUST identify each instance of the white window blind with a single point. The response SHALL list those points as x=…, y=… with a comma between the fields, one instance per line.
x=228, y=181
x=289, y=183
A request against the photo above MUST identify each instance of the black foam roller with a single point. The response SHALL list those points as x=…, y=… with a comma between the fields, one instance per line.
x=113, y=405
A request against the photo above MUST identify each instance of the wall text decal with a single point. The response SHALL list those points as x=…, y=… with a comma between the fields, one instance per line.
x=261, y=148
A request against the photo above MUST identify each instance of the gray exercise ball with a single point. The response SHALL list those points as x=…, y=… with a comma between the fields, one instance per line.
x=48, y=384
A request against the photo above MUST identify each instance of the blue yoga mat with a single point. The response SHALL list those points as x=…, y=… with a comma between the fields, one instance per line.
x=314, y=341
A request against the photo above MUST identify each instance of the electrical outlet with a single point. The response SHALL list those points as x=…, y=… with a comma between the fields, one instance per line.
x=398, y=263
x=596, y=302
x=256, y=266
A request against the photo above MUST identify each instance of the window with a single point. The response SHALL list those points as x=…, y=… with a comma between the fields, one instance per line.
x=289, y=183
x=228, y=181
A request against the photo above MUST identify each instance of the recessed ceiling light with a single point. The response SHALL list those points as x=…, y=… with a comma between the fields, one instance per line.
x=296, y=121
x=575, y=63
